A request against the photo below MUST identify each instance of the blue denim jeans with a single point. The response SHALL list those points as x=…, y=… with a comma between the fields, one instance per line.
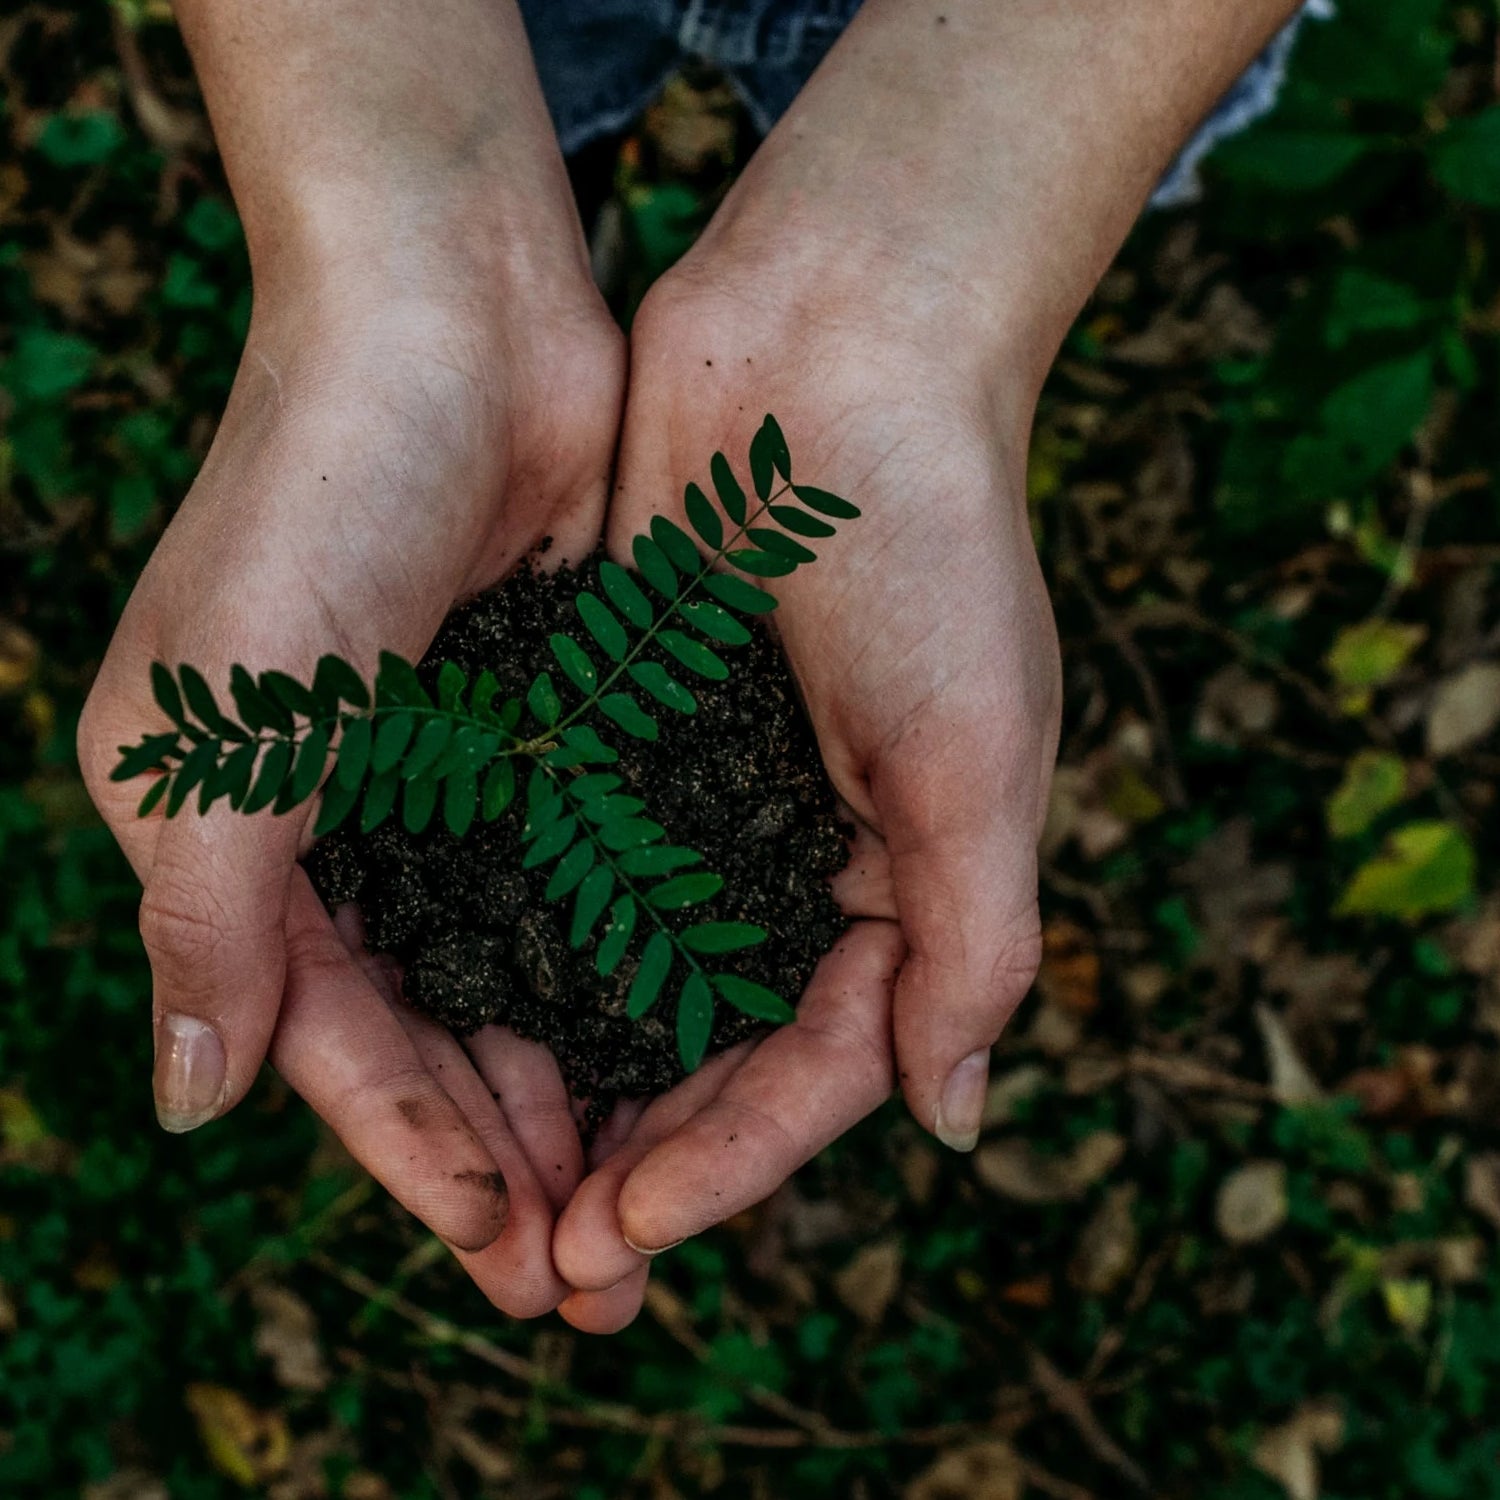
x=602, y=61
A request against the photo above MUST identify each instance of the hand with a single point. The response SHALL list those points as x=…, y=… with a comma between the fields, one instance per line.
x=383, y=454
x=923, y=643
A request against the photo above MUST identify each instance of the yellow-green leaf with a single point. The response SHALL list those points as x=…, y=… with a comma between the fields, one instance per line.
x=1368, y=655
x=1425, y=867
x=1374, y=780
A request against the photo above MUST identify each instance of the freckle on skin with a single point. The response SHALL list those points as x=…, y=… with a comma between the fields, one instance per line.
x=413, y=1111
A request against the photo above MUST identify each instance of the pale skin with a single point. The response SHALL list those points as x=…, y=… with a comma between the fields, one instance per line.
x=891, y=276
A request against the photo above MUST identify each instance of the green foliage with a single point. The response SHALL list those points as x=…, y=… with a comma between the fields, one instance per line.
x=454, y=754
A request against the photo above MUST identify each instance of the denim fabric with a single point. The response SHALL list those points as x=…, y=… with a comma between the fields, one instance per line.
x=602, y=61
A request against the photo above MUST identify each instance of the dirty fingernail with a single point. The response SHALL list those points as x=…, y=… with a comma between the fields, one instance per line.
x=189, y=1075
x=660, y=1249
x=961, y=1107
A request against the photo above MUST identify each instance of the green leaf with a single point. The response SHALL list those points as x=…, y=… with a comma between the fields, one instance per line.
x=663, y=686
x=623, y=710
x=762, y=467
x=722, y=937
x=824, y=503
x=338, y=802
x=200, y=698
x=1368, y=655
x=232, y=778
x=738, y=594
x=499, y=788
x=418, y=803
x=483, y=696
x=1364, y=302
x=625, y=594
x=685, y=890
x=452, y=680
x=780, y=545
x=656, y=963
x=761, y=564
x=1374, y=781
x=571, y=868
x=727, y=488
x=574, y=661
x=460, y=795
x=1466, y=158
x=154, y=793
x=695, y=1020
x=799, y=521
x=1290, y=161
x=703, y=517
x=470, y=749
x=312, y=756
x=196, y=764
x=608, y=809
x=391, y=740
x=275, y=764
x=583, y=740
x=334, y=678
x=1425, y=867
x=380, y=798
x=542, y=700
x=677, y=544
x=656, y=859
x=654, y=566
x=353, y=752
x=46, y=365
x=148, y=755
x=289, y=693
x=781, y=455
x=256, y=709
x=397, y=684
x=754, y=999
x=430, y=743
x=594, y=784
x=617, y=935
x=164, y=690
x=551, y=842
x=80, y=140
x=694, y=655
x=588, y=906
x=544, y=802
x=627, y=833
x=598, y=619
x=717, y=624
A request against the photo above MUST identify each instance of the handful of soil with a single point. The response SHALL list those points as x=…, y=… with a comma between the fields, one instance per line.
x=740, y=781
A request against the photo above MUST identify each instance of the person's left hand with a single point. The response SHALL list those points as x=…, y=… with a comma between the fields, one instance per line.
x=923, y=643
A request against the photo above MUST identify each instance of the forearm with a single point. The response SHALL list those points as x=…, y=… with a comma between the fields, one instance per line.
x=982, y=161
x=359, y=130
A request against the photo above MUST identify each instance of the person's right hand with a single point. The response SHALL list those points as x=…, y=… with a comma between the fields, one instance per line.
x=384, y=453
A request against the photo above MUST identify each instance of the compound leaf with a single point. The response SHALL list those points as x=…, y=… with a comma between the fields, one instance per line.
x=656, y=859
x=542, y=699
x=588, y=748
x=200, y=699
x=354, y=752
x=617, y=934
x=717, y=624
x=460, y=794
x=418, y=803
x=149, y=755
x=397, y=684
x=685, y=890
x=196, y=764
x=656, y=963
x=380, y=798
x=551, y=841
x=694, y=655
x=738, y=594
x=571, y=868
x=781, y=455
x=695, y=1020
x=588, y=906
x=825, y=503
x=312, y=755
x=154, y=793
x=761, y=564
x=623, y=710
x=654, y=566
x=338, y=802
x=431, y=743
x=258, y=710
x=391, y=740
x=628, y=833
x=677, y=544
x=799, y=521
x=780, y=545
x=499, y=788
x=762, y=467
x=334, y=678
x=663, y=686
x=625, y=594
x=274, y=766
x=574, y=661
x=754, y=999
x=703, y=517
x=450, y=685
x=599, y=620
x=727, y=488
x=722, y=937
x=164, y=690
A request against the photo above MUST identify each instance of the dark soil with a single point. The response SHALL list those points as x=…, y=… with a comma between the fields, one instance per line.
x=740, y=781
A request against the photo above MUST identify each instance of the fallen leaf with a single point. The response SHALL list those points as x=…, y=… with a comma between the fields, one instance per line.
x=1482, y=1186
x=1015, y=1169
x=1069, y=973
x=1289, y=1453
x=250, y=1446
x=1292, y=1081
x=868, y=1283
x=1408, y=1303
x=1252, y=1202
x=980, y=1471
x=1108, y=1246
x=287, y=1335
x=18, y=657
x=1368, y=655
x=1007, y=1093
x=1425, y=868
x=1465, y=708
x=1374, y=781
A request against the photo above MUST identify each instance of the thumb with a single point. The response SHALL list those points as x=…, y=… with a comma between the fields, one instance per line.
x=213, y=921
x=965, y=880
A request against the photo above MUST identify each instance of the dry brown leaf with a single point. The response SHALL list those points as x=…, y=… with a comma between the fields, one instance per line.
x=1252, y=1202
x=868, y=1283
x=1011, y=1089
x=1289, y=1453
x=980, y=1471
x=1482, y=1186
x=18, y=657
x=1465, y=708
x=127, y=1484
x=1108, y=1246
x=1069, y=973
x=1292, y=1082
x=249, y=1445
x=1015, y=1169
x=287, y=1335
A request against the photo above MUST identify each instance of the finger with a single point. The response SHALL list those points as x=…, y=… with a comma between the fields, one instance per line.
x=213, y=920
x=589, y=1246
x=964, y=871
x=525, y=1082
x=515, y=1270
x=338, y=1044
x=610, y=1310
x=802, y=1087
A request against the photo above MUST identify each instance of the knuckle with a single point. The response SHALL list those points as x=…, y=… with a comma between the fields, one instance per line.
x=181, y=926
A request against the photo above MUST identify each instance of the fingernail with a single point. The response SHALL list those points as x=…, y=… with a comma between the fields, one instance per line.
x=189, y=1076
x=660, y=1249
x=961, y=1107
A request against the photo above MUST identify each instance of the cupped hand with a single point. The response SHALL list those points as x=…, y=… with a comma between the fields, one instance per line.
x=383, y=454
x=923, y=643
